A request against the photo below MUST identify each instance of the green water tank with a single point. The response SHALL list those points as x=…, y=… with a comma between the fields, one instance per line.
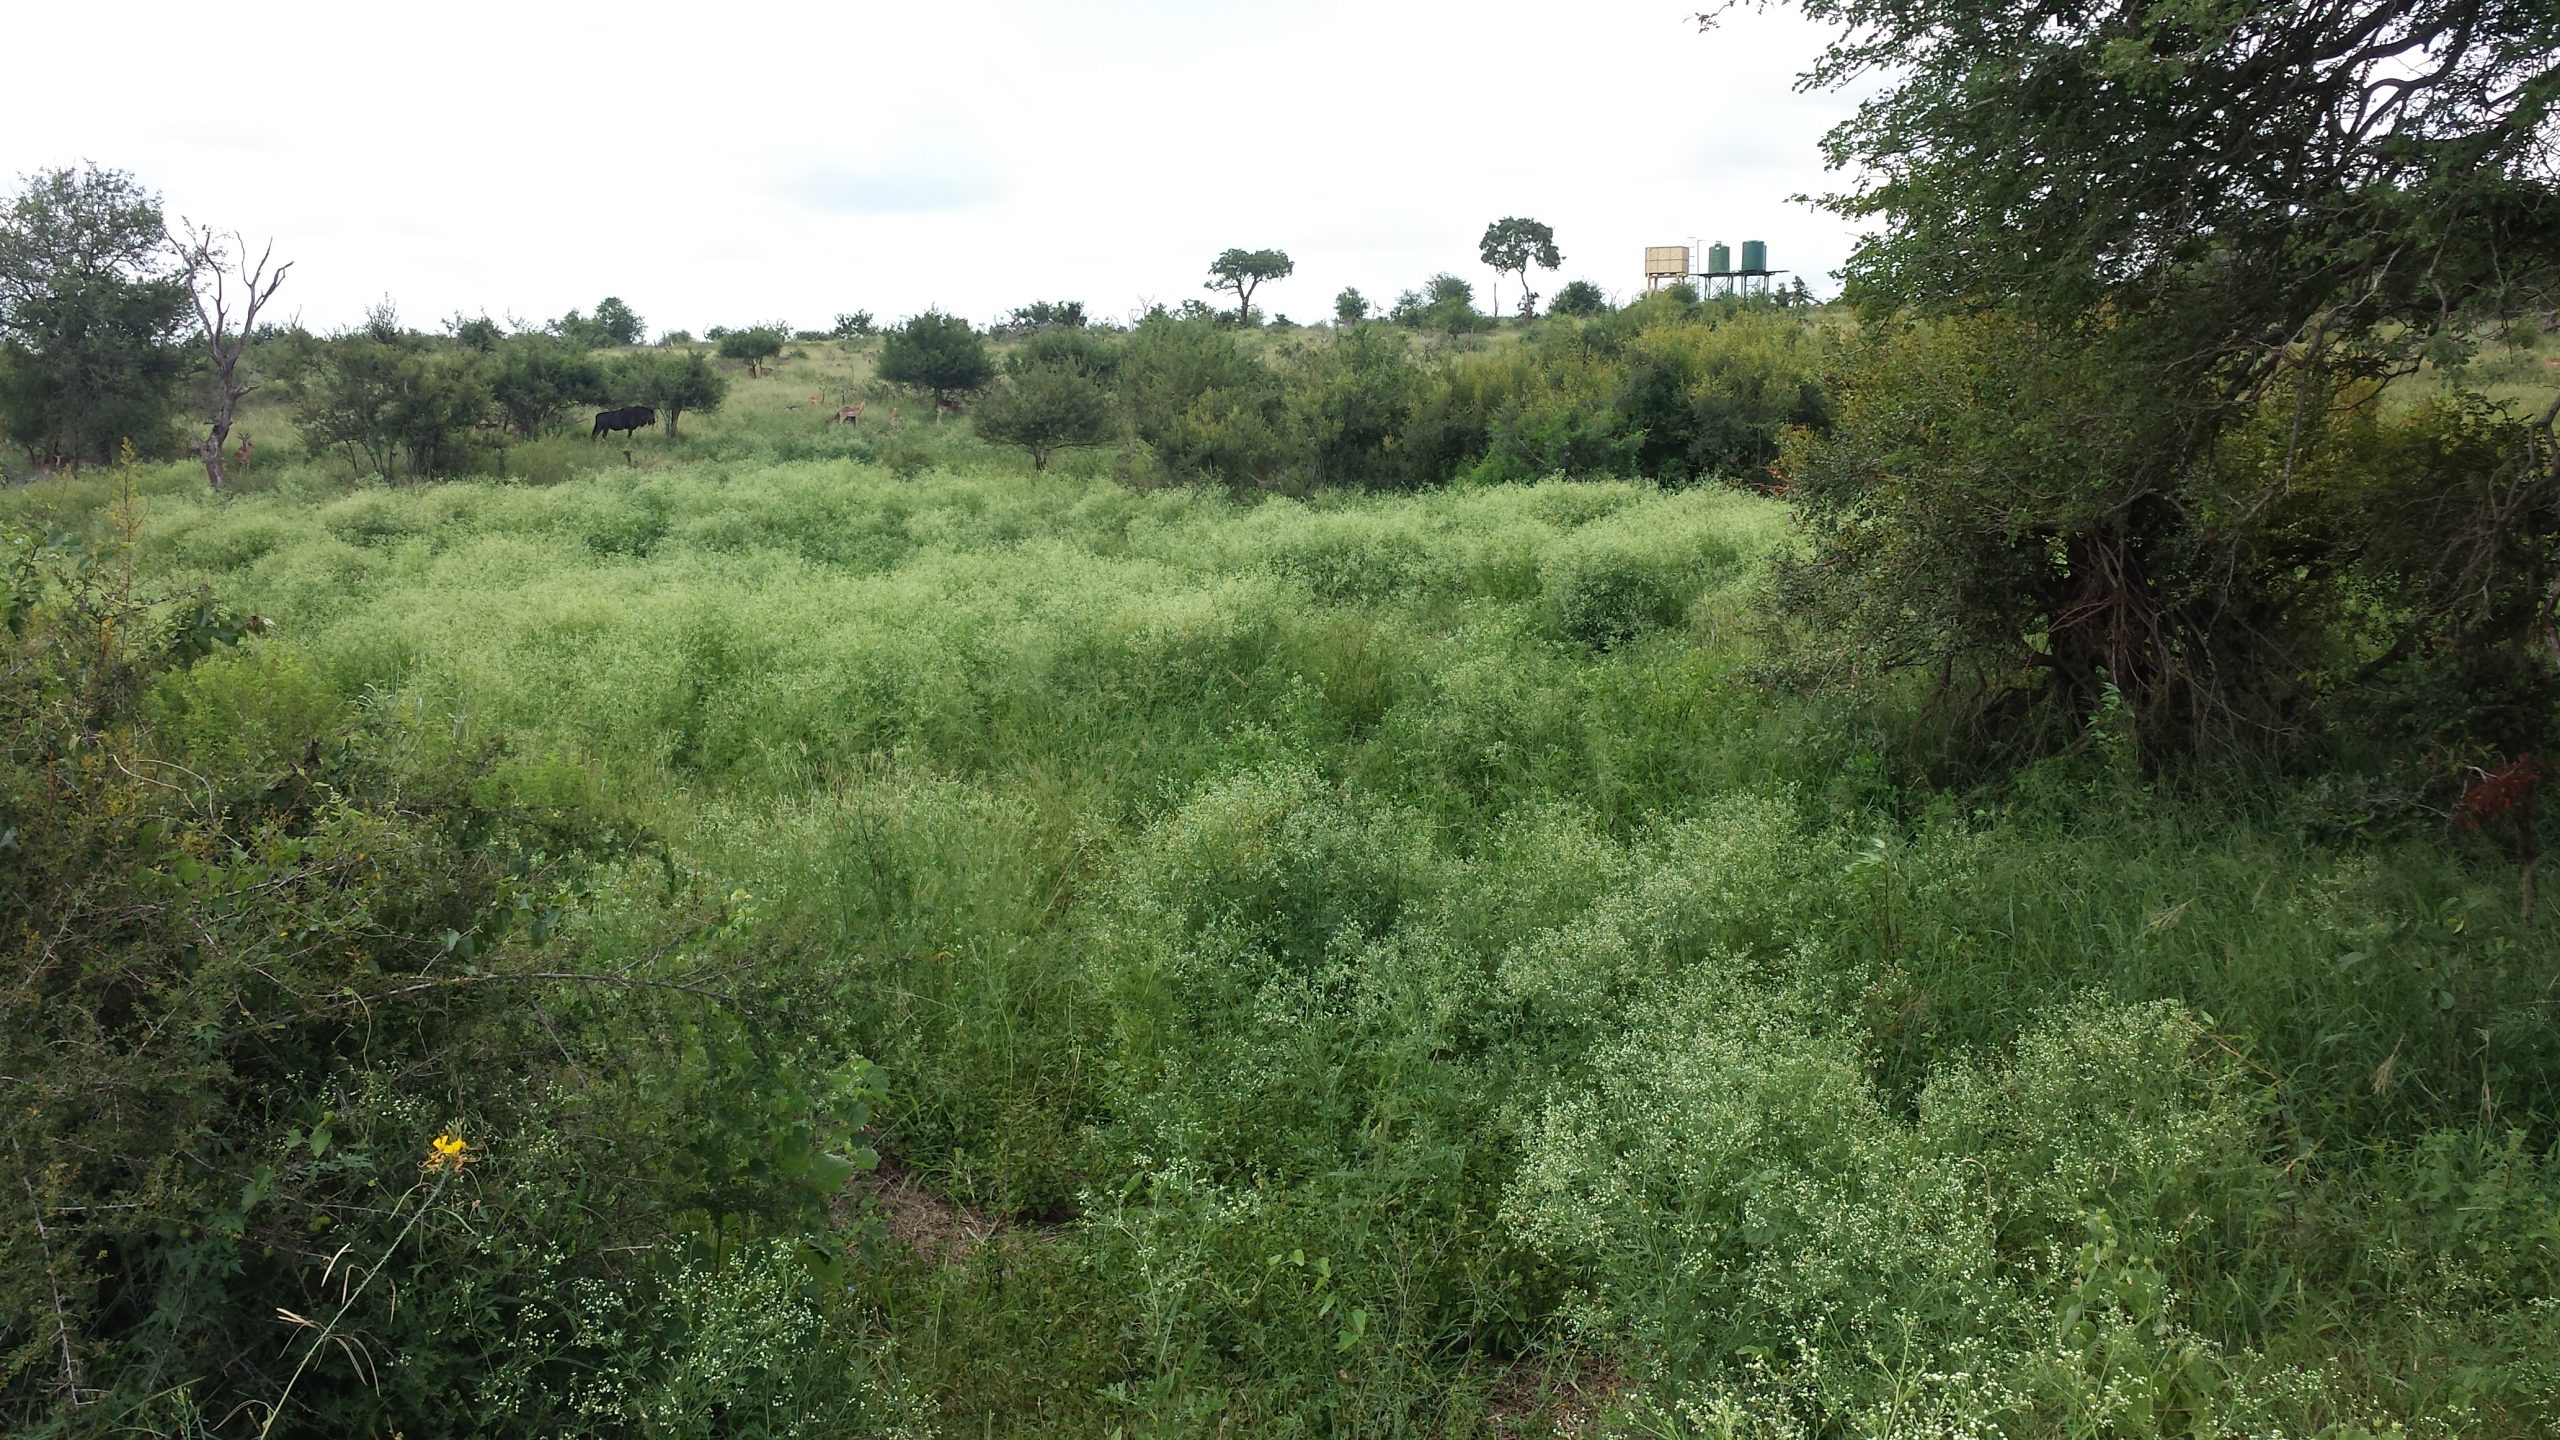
x=1719, y=259
x=1755, y=256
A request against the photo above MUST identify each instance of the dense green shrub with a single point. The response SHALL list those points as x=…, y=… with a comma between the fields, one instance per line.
x=1207, y=407
x=1045, y=409
x=241, y=1008
x=939, y=354
x=394, y=408
x=613, y=324
x=1654, y=390
x=1445, y=304
x=534, y=378
x=1666, y=391
x=1045, y=315
x=1579, y=299
x=1712, y=399
x=91, y=306
x=476, y=332
x=1352, y=400
x=2377, y=560
x=1091, y=353
x=2208, y=285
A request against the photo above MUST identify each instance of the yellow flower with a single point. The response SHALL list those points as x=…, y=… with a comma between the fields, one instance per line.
x=447, y=1152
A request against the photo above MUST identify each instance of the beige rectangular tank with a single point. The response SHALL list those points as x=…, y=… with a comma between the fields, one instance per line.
x=1661, y=261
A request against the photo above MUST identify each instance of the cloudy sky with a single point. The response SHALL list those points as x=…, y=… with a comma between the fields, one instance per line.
x=723, y=163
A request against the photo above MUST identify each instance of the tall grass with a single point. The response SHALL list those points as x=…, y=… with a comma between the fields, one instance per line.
x=1390, y=973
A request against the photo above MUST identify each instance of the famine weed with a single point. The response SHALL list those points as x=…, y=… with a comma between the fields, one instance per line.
x=1347, y=955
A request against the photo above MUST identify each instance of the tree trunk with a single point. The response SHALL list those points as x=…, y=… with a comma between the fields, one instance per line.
x=227, y=397
x=2106, y=626
x=672, y=413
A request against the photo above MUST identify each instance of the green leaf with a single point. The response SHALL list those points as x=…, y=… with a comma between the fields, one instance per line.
x=830, y=1170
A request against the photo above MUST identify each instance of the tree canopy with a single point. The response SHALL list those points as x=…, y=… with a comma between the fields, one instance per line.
x=938, y=353
x=1580, y=297
x=752, y=346
x=91, y=303
x=2208, y=233
x=1046, y=314
x=617, y=323
x=1445, y=303
x=1242, y=271
x=669, y=382
x=613, y=324
x=1046, y=408
x=2240, y=175
x=393, y=407
x=535, y=377
x=1511, y=245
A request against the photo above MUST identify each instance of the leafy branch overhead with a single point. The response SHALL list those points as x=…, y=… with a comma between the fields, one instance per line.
x=2242, y=174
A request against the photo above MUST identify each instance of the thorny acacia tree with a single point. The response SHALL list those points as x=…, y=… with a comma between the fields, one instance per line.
x=219, y=275
x=2208, y=209
x=1244, y=270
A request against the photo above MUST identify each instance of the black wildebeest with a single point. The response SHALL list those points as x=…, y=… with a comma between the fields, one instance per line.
x=630, y=417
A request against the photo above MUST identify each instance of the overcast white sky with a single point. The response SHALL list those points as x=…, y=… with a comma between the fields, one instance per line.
x=725, y=163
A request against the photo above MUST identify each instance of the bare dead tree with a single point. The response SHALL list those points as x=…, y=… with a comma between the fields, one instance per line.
x=220, y=274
